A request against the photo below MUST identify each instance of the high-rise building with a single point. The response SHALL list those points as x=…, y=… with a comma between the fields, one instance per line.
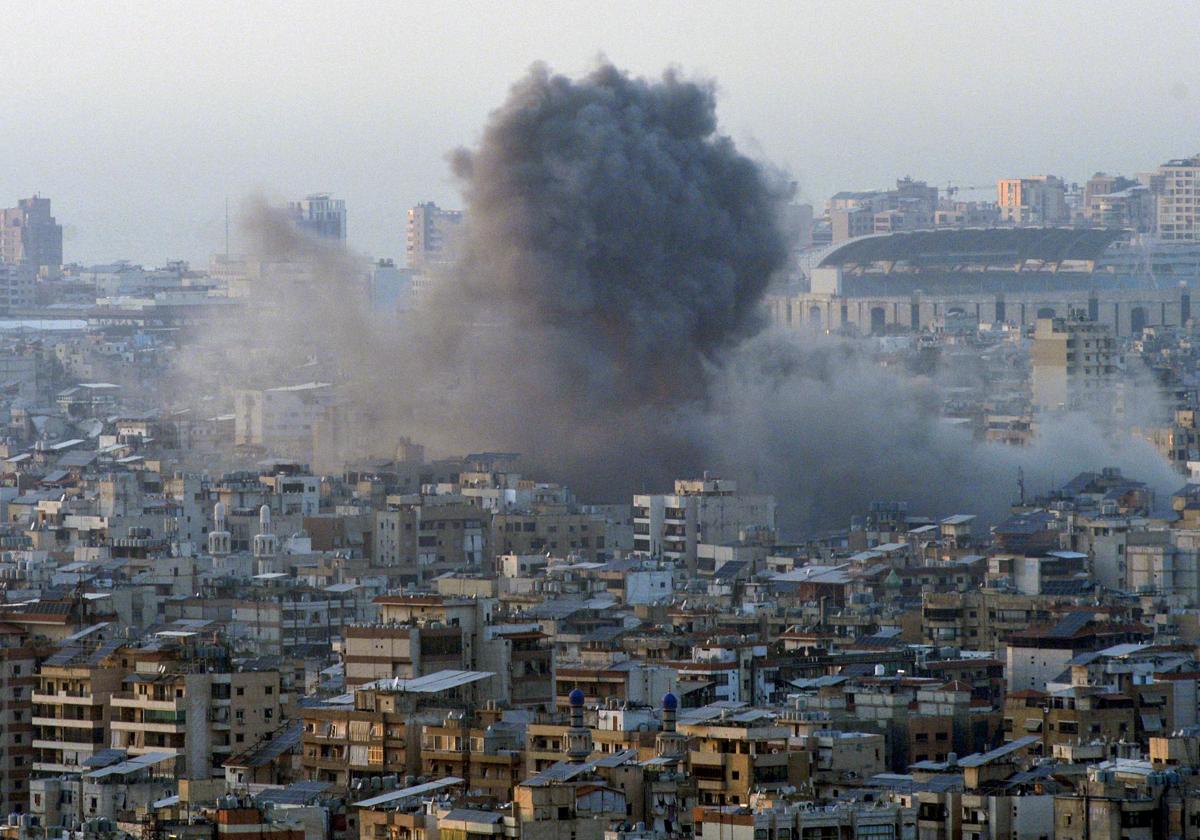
x=390, y=288
x=1041, y=200
x=320, y=215
x=29, y=234
x=1178, y=210
x=1075, y=363
x=431, y=233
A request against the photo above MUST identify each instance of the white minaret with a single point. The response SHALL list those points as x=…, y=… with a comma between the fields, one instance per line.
x=219, y=540
x=265, y=543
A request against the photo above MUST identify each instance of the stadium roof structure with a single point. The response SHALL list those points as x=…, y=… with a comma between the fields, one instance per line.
x=999, y=248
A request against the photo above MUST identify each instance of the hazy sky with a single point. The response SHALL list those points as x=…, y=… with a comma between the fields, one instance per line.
x=138, y=119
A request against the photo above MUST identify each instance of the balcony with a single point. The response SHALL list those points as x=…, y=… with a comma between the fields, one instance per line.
x=129, y=700
x=77, y=746
x=65, y=698
x=178, y=728
x=70, y=723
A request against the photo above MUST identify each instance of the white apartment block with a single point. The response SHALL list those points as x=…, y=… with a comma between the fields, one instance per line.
x=707, y=510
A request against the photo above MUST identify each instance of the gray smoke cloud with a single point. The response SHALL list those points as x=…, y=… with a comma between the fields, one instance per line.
x=604, y=318
x=819, y=423
x=616, y=248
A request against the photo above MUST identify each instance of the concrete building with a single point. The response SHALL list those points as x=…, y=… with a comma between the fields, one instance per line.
x=18, y=659
x=320, y=215
x=1120, y=799
x=431, y=232
x=375, y=732
x=1178, y=213
x=706, y=510
x=29, y=234
x=71, y=708
x=18, y=285
x=204, y=717
x=281, y=419
x=1038, y=655
x=559, y=533
x=843, y=820
x=419, y=538
x=732, y=754
x=390, y=289
x=850, y=223
x=1037, y=201
x=1075, y=364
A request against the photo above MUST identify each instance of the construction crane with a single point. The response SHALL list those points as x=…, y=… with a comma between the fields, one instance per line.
x=951, y=189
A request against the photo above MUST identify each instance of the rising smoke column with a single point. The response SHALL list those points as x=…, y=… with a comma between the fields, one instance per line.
x=603, y=318
x=616, y=247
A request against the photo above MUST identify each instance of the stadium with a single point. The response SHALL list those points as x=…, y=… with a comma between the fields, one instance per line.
x=921, y=280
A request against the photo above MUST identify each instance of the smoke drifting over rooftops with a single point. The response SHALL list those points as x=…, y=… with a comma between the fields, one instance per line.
x=616, y=248
x=604, y=318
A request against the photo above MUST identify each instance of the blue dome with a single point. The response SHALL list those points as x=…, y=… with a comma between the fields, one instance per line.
x=575, y=698
x=670, y=702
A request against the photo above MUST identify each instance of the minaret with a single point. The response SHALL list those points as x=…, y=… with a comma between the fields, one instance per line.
x=579, y=737
x=265, y=543
x=671, y=745
x=219, y=540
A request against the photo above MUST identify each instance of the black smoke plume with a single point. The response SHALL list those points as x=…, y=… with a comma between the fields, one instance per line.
x=616, y=248
x=603, y=317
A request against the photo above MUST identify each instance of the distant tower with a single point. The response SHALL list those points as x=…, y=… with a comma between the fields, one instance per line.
x=430, y=235
x=219, y=540
x=320, y=215
x=671, y=745
x=579, y=737
x=265, y=543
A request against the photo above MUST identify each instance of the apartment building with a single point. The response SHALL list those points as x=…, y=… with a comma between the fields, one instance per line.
x=784, y=820
x=1179, y=201
x=30, y=234
x=319, y=215
x=376, y=731
x=431, y=234
x=705, y=510
x=281, y=419
x=203, y=716
x=18, y=659
x=1075, y=363
x=482, y=750
x=416, y=540
x=294, y=620
x=1036, y=201
x=71, y=708
x=732, y=753
x=979, y=619
x=557, y=533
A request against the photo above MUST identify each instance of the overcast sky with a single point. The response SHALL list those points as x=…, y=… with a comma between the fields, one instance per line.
x=139, y=119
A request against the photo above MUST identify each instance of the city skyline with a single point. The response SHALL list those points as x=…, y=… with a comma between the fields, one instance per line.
x=367, y=106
